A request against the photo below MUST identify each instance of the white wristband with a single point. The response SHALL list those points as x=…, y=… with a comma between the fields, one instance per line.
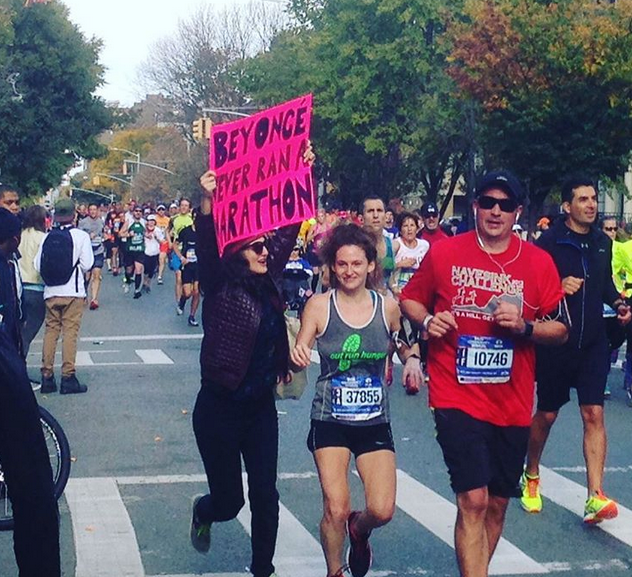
x=426, y=322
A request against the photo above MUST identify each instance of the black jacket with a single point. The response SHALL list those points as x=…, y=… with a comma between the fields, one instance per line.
x=231, y=313
x=594, y=265
x=10, y=315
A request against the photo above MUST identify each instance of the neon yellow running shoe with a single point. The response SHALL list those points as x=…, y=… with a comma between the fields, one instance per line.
x=598, y=508
x=530, y=500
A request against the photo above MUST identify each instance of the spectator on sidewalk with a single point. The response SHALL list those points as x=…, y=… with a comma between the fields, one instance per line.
x=9, y=199
x=23, y=452
x=63, y=259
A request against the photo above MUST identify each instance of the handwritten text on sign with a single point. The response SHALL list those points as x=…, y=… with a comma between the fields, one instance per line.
x=262, y=181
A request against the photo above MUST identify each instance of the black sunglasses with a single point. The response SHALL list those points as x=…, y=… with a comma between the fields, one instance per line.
x=258, y=246
x=610, y=228
x=505, y=204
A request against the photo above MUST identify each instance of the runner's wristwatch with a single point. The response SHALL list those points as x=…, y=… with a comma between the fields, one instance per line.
x=528, y=330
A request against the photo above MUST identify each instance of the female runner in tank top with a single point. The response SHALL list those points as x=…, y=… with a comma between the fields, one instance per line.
x=353, y=325
x=412, y=251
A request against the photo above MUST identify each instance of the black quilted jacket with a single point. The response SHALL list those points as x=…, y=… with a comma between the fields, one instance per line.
x=230, y=313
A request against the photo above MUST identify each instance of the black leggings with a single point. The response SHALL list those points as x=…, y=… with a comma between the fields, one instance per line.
x=225, y=431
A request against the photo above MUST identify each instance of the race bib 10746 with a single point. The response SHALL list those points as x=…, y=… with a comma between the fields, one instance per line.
x=483, y=360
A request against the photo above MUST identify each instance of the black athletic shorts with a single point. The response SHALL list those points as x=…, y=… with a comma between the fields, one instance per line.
x=558, y=369
x=190, y=273
x=358, y=439
x=151, y=265
x=479, y=454
x=99, y=259
x=132, y=257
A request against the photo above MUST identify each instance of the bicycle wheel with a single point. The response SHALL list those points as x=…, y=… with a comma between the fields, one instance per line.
x=59, y=455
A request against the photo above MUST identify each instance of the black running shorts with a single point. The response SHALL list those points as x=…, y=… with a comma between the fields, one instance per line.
x=358, y=439
x=132, y=257
x=558, y=369
x=479, y=454
x=151, y=265
x=190, y=273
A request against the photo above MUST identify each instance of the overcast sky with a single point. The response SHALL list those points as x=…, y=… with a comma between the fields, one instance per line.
x=128, y=29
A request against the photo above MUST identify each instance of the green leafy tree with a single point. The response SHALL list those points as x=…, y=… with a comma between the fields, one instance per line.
x=48, y=74
x=384, y=120
x=554, y=81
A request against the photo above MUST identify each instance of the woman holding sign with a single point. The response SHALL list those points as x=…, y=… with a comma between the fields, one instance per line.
x=353, y=324
x=244, y=354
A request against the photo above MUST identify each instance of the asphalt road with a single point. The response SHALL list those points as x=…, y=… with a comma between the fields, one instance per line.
x=136, y=467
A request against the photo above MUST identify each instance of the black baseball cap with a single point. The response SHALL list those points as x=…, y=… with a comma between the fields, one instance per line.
x=429, y=209
x=504, y=180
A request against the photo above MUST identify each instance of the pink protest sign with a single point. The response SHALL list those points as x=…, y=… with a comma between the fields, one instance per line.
x=262, y=181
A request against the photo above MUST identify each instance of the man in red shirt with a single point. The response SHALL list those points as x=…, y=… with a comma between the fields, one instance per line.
x=431, y=231
x=484, y=299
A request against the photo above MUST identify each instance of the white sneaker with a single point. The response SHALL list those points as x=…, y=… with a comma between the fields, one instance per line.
x=179, y=311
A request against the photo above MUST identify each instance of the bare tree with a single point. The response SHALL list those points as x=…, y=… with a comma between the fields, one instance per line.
x=201, y=64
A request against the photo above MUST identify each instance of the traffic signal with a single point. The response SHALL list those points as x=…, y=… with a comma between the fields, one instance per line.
x=202, y=129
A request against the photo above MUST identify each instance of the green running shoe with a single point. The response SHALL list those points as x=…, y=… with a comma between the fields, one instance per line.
x=530, y=500
x=598, y=508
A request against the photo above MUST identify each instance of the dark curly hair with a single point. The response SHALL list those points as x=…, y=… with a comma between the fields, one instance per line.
x=351, y=235
x=405, y=216
x=235, y=271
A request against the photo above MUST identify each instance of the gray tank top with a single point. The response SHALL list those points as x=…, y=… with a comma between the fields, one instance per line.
x=351, y=387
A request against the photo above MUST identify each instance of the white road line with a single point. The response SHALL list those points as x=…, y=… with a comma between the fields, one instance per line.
x=438, y=515
x=84, y=359
x=582, y=469
x=163, y=337
x=600, y=565
x=122, y=338
x=161, y=480
x=297, y=551
x=210, y=575
x=147, y=357
x=105, y=541
x=195, y=478
x=572, y=496
x=153, y=357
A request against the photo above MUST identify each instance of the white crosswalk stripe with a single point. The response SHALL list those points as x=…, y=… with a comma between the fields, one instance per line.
x=297, y=552
x=438, y=515
x=103, y=529
x=94, y=358
x=571, y=496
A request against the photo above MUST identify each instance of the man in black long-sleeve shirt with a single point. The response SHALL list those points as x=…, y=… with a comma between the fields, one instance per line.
x=583, y=256
x=23, y=452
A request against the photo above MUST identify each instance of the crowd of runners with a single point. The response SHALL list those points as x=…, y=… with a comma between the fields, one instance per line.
x=480, y=315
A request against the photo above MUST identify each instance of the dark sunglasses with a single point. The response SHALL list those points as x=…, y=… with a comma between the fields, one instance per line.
x=610, y=228
x=258, y=246
x=505, y=204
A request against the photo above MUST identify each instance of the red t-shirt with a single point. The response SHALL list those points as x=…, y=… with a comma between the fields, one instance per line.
x=433, y=237
x=482, y=369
